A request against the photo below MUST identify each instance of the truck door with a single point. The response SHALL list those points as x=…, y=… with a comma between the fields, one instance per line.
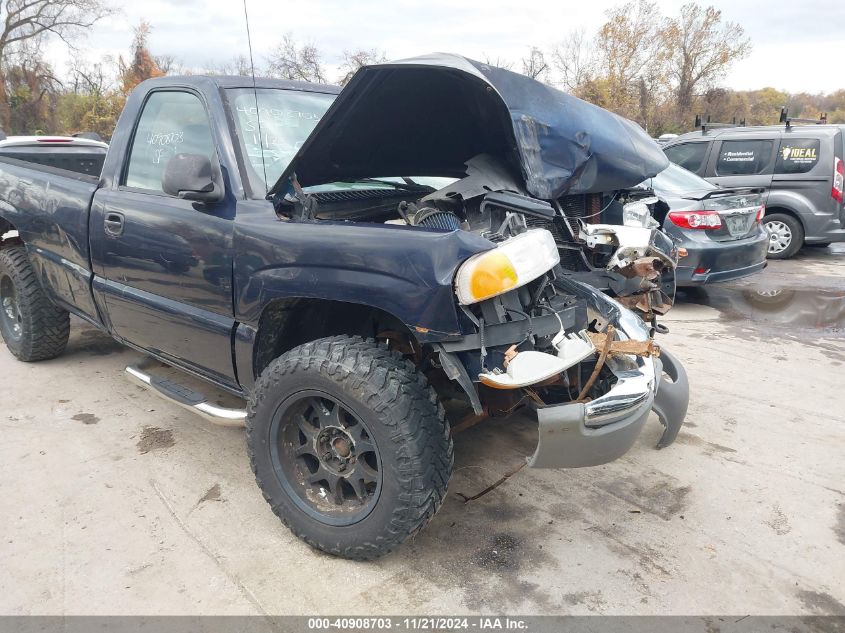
x=163, y=265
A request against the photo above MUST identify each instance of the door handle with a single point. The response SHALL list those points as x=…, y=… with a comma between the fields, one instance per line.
x=113, y=223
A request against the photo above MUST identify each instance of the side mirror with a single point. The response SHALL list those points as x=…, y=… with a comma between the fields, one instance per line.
x=192, y=177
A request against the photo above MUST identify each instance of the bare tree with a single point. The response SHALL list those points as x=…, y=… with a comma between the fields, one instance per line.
x=22, y=20
x=498, y=62
x=91, y=79
x=575, y=61
x=170, y=65
x=237, y=65
x=302, y=62
x=353, y=60
x=702, y=48
x=535, y=65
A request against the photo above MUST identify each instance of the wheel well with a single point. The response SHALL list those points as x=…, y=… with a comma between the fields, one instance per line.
x=288, y=323
x=785, y=211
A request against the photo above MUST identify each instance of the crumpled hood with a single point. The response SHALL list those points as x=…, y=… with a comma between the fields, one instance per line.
x=429, y=115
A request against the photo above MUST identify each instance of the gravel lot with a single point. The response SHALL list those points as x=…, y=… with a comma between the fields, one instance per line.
x=113, y=501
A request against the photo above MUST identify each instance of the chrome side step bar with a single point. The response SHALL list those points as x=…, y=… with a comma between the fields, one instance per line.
x=184, y=396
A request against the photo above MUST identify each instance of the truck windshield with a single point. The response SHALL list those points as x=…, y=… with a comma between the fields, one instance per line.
x=287, y=118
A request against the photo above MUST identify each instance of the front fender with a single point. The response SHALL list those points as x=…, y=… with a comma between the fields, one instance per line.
x=406, y=272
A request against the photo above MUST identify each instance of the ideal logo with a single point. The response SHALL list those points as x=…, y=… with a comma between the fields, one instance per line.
x=803, y=154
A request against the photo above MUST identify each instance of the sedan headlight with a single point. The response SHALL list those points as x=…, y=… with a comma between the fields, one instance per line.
x=512, y=264
x=638, y=214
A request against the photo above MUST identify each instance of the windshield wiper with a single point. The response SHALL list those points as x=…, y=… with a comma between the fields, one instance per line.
x=408, y=185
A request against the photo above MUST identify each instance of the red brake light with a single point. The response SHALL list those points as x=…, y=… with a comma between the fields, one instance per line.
x=53, y=140
x=760, y=213
x=838, y=190
x=696, y=219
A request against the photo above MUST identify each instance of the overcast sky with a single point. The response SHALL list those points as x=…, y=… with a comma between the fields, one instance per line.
x=799, y=45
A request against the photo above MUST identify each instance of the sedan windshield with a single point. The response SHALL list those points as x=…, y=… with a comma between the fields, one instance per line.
x=676, y=179
x=286, y=119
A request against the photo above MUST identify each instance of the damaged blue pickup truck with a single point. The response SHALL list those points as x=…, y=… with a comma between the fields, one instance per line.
x=347, y=262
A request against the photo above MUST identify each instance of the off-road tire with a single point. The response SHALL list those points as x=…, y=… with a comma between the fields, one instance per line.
x=406, y=422
x=795, y=228
x=45, y=327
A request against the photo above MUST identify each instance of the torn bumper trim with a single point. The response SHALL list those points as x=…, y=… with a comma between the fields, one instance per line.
x=577, y=435
x=672, y=399
x=589, y=434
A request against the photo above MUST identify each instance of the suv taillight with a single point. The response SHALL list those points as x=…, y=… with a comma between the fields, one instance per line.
x=696, y=219
x=760, y=213
x=838, y=190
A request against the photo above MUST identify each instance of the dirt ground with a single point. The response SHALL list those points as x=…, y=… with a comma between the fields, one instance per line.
x=113, y=501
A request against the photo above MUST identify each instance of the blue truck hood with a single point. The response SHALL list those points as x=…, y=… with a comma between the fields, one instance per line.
x=427, y=116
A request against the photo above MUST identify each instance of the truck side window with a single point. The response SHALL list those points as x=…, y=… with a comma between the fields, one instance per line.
x=744, y=158
x=797, y=155
x=688, y=155
x=171, y=123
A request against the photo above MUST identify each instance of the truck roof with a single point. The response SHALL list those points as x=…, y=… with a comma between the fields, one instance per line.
x=235, y=81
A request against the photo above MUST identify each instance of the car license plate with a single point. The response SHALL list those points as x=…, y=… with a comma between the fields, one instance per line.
x=737, y=225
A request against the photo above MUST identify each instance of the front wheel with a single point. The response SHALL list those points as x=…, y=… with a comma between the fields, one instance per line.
x=786, y=235
x=33, y=327
x=349, y=445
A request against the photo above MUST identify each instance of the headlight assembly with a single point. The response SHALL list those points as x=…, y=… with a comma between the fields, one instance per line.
x=512, y=264
x=638, y=214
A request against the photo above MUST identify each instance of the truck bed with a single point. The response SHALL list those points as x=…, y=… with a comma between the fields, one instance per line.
x=50, y=207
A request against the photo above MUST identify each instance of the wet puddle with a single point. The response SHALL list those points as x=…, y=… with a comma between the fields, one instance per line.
x=817, y=311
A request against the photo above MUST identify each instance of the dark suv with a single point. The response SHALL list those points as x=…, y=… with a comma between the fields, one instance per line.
x=801, y=165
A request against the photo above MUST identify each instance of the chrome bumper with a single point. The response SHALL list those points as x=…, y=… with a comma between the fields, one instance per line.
x=576, y=435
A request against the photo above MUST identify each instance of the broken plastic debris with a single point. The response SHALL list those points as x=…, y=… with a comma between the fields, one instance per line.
x=573, y=348
x=526, y=368
x=529, y=368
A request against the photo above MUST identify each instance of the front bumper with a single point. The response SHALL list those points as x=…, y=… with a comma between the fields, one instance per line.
x=574, y=435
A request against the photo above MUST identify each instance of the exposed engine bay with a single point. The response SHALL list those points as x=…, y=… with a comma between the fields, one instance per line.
x=527, y=345
x=610, y=241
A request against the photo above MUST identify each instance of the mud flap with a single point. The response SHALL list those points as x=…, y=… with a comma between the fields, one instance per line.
x=672, y=398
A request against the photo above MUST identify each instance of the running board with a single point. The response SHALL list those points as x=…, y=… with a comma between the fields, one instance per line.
x=183, y=396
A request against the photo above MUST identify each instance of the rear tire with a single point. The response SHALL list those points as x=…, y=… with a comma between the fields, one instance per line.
x=33, y=327
x=786, y=235
x=349, y=445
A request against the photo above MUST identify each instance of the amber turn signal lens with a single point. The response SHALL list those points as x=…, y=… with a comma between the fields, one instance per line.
x=492, y=276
